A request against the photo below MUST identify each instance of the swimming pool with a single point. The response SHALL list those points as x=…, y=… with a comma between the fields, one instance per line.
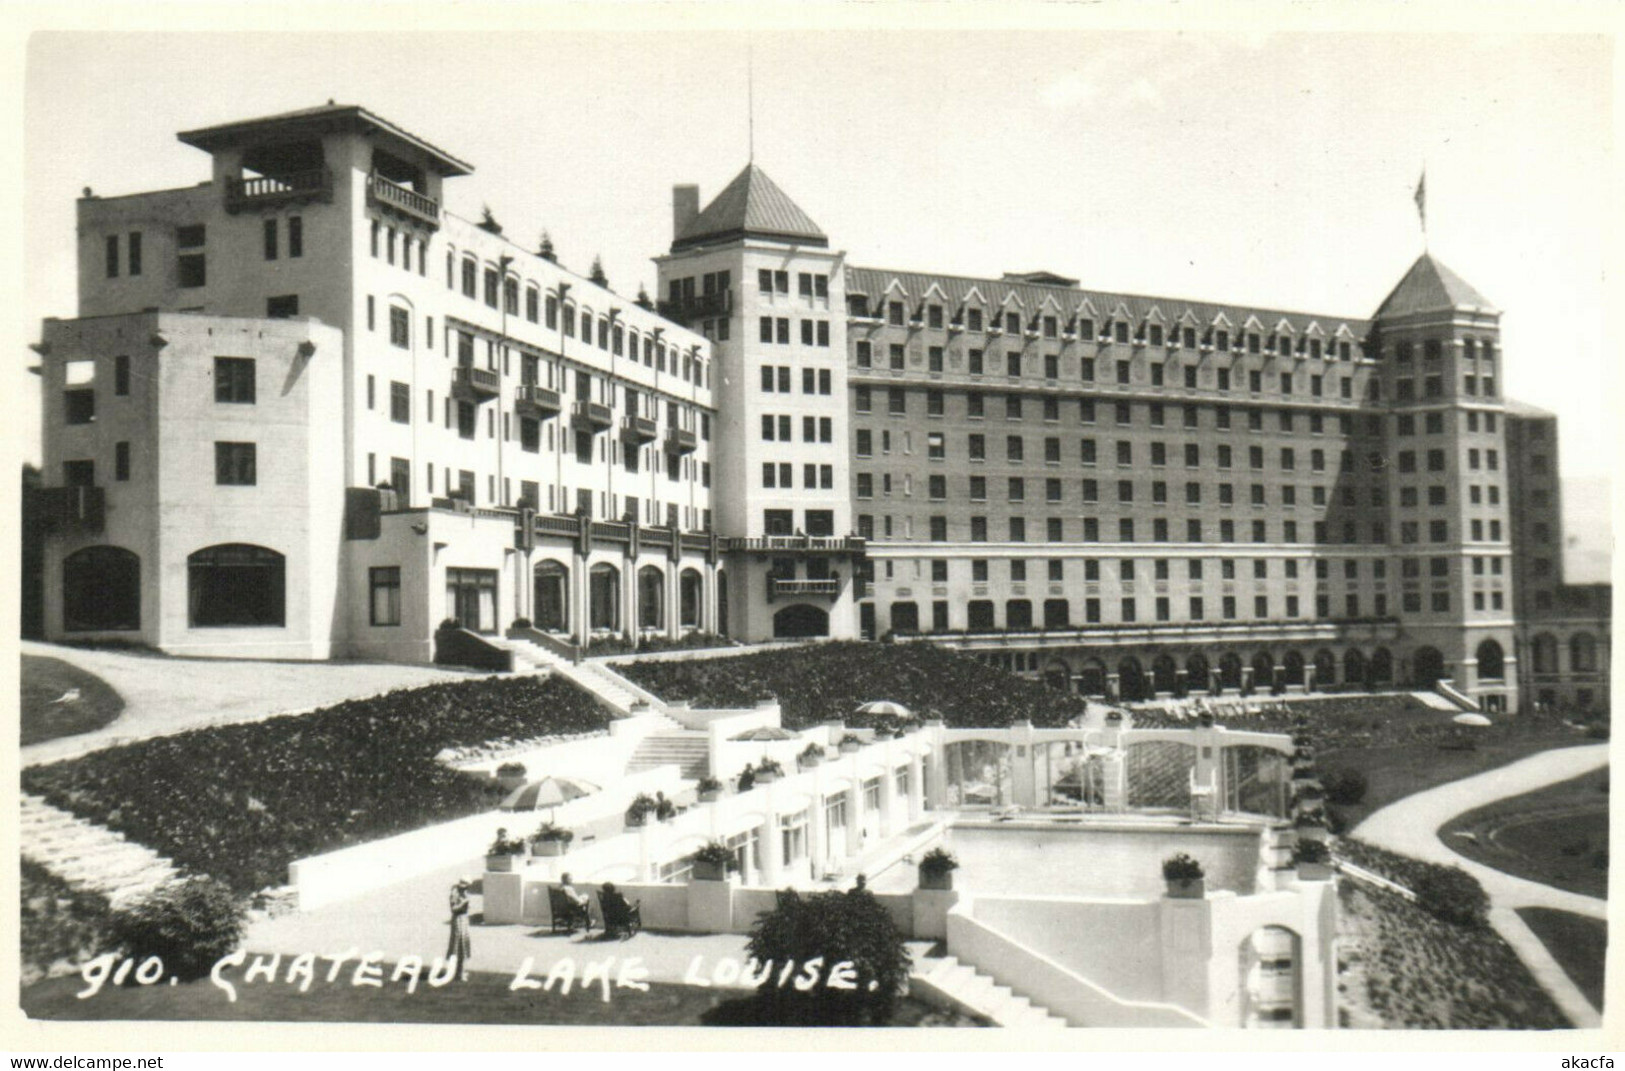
x=1117, y=861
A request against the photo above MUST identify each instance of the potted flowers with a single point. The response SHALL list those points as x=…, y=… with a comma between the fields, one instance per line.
x=850, y=743
x=511, y=775
x=1313, y=860
x=768, y=771
x=811, y=756
x=551, y=839
x=713, y=861
x=499, y=857
x=937, y=868
x=1184, y=876
x=637, y=815
x=710, y=789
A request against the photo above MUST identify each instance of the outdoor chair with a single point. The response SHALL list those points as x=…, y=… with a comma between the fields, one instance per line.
x=567, y=914
x=620, y=918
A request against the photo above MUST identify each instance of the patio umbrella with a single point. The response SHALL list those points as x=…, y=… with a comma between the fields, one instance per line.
x=887, y=707
x=1476, y=720
x=765, y=732
x=549, y=792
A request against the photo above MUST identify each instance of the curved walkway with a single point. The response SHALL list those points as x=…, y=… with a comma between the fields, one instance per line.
x=1411, y=827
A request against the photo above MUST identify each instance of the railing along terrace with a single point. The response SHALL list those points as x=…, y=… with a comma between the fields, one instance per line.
x=398, y=197
x=478, y=380
x=824, y=586
x=540, y=399
x=681, y=441
x=816, y=544
x=596, y=414
x=315, y=183
x=698, y=307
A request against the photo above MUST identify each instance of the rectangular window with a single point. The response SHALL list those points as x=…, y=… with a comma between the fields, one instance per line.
x=135, y=252
x=112, y=256
x=385, y=583
x=400, y=328
x=270, y=229
x=234, y=380
x=121, y=461
x=400, y=403
x=234, y=464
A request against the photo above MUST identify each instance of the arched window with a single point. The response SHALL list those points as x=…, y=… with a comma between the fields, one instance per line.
x=1130, y=679
x=235, y=584
x=1491, y=661
x=1583, y=653
x=1545, y=653
x=1354, y=667
x=1325, y=668
x=1018, y=613
x=1263, y=670
x=1292, y=668
x=1382, y=666
x=800, y=622
x=552, y=602
x=1427, y=667
x=722, y=604
x=651, y=598
x=1057, y=614
x=1164, y=673
x=1230, y=671
x=101, y=590
x=1197, y=674
x=691, y=595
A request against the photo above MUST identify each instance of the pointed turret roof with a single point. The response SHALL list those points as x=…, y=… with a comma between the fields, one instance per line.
x=751, y=206
x=1431, y=287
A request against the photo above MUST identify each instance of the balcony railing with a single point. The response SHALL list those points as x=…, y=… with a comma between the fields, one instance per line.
x=539, y=401
x=791, y=543
x=638, y=429
x=398, y=198
x=475, y=384
x=681, y=441
x=73, y=508
x=777, y=588
x=699, y=307
x=266, y=190
x=593, y=416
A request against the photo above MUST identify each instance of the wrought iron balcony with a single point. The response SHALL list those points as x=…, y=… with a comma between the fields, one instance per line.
x=681, y=441
x=638, y=429
x=539, y=402
x=73, y=508
x=472, y=384
x=699, y=307
x=592, y=416
x=779, y=544
x=397, y=198
x=779, y=588
x=270, y=190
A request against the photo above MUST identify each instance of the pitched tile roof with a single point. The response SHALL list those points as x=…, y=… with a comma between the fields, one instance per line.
x=874, y=283
x=1431, y=287
x=753, y=206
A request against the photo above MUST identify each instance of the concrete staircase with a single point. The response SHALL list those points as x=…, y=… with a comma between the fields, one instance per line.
x=963, y=986
x=88, y=856
x=689, y=751
x=613, y=690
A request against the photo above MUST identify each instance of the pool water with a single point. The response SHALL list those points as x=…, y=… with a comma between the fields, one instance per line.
x=1054, y=859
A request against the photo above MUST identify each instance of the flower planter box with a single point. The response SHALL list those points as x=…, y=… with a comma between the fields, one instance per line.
x=509, y=782
x=943, y=880
x=500, y=864
x=704, y=871
x=710, y=795
x=1314, y=872
x=636, y=823
x=1188, y=889
x=848, y=747
x=546, y=848
x=807, y=764
x=766, y=777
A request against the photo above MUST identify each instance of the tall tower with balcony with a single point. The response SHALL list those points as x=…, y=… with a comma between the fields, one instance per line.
x=1446, y=460
x=754, y=273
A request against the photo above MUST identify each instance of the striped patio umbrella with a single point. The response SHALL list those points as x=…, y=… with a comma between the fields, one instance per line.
x=765, y=733
x=887, y=707
x=549, y=792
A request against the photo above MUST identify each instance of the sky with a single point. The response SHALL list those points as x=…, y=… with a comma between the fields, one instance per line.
x=1270, y=169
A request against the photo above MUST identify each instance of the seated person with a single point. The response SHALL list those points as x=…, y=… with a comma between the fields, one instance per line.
x=619, y=916
x=579, y=899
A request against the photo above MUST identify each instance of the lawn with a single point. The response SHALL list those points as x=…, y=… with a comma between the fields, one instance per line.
x=483, y=999
x=59, y=924
x=1412, y=970
x=1557, y=835
x=242, y=801
x=831, y=680
x=1578, y=943
x=45, y=717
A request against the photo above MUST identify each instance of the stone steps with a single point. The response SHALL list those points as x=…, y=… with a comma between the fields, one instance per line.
x=962, y=984
x=687, y=750
x=86, y=855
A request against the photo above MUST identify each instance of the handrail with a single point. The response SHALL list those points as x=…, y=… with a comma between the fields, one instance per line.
x=398, y=196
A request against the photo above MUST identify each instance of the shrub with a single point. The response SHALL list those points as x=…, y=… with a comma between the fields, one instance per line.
x=521, y=622
x=1310, y=851
x=511, y=769
x=841, y=928
x=1451, y=894
x=1344, y=786
x=506, y=845
x=938, y=861
x=449, y=625
x=812, y=753
x=711, y=784
x=851, y=738
x=549, y=832
x=716, y=853
x=1181, y=867
x=641, y=808
x=188, y=924
x=768, y=765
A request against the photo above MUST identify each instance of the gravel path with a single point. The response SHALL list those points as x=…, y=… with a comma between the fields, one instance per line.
x=1411, y=826
x=169, y=695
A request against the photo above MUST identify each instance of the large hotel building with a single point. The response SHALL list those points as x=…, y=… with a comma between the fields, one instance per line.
x=306, y=412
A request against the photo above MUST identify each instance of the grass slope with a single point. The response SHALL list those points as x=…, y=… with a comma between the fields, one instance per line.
x=831, y=680
x=60, y=925
x=46, y=680
x=1578, y=943
x=1557, y=835
x=241, y=802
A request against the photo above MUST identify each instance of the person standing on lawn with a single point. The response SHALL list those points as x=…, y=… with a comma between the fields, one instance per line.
x=461, y=946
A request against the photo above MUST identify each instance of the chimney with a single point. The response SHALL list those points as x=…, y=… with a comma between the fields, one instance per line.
x=685, y=205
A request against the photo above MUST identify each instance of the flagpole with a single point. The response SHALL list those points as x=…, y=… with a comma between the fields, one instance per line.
x=1421, y=199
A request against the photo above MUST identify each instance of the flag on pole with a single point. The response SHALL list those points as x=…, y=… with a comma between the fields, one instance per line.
x=1422, y=199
